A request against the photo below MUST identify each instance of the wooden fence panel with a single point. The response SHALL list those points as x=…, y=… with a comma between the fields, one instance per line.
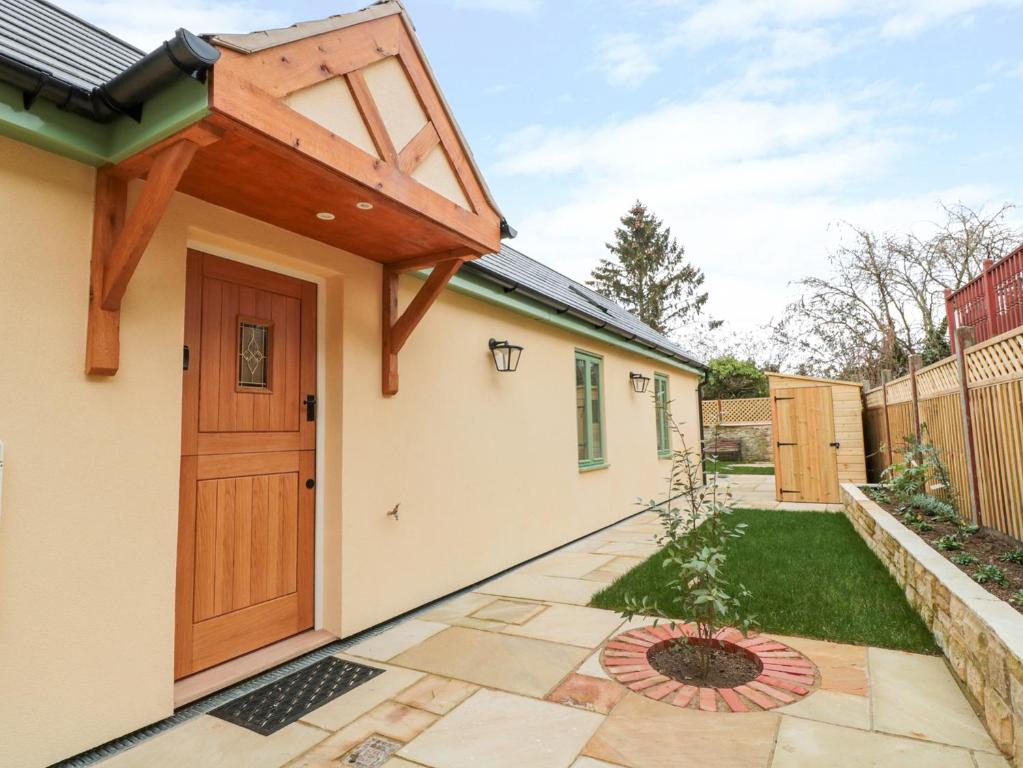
x=942, y=425
x=995, y=385
x=998, y=430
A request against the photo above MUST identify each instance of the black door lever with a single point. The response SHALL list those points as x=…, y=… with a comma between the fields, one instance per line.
x=310, y=407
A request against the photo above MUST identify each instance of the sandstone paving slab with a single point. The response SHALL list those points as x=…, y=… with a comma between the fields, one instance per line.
x=336, y=714
x=516, y=664
x=390, y=719
x=508, y=611
x=502, y=730
x=571, y=564
x=474, y=623
x=809, y=744
x=915, y=695
x=537, y=586
x=843, y=668
x=589, y=762
x=215, y=743
x=571, y=624
x=641, y=733
x=395, y=640
x=621, y=564
x=987, y=760
x=631, y=548
x=456, y=607
x=437, y=694
x=832, y=707
x=592, y=693
x=593, y=668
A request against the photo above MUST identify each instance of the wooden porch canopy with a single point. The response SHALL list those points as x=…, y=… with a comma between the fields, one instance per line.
x=339, y=117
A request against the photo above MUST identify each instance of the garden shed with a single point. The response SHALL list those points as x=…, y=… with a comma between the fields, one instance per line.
x=818, y=437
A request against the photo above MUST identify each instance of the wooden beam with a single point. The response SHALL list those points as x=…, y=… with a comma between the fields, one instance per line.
x=202, y=134
x=371, y=115
x=390, y=312
x=416, y=150
x=397, y=332
x=430, y=259
x=124, y=256
x=284, y=69
x=102, y=341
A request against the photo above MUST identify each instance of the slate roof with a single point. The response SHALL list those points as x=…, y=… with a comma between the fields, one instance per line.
x=71, y=50
x=514, y=270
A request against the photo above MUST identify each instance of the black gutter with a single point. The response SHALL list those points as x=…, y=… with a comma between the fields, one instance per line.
x=125, y=93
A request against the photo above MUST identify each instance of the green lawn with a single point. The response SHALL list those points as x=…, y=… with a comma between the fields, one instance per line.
x=811, y=575
x=727, y=468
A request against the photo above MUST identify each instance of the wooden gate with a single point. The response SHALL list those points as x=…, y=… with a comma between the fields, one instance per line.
x=806, y=463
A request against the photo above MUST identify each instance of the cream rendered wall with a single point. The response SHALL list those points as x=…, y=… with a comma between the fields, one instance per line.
x=483, y=464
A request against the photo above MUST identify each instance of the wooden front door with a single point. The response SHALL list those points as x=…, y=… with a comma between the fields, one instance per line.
x=806, y=454
x=246, y=527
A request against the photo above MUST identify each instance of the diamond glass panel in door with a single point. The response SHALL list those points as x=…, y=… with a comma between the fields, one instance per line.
x=580, y=407
x=253, y=355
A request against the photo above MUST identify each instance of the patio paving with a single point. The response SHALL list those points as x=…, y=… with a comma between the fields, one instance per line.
x=509, y=675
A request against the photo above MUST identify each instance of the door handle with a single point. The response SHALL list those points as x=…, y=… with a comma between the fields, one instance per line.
x=310, y=407
x=835, y=445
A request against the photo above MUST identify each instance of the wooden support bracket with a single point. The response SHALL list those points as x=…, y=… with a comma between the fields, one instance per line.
x=396, y=330
x=118, y=241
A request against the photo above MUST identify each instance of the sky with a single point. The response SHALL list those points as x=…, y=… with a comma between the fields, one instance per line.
x=753, y=128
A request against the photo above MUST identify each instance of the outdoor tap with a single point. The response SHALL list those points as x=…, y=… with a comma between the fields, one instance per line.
x=394, y=511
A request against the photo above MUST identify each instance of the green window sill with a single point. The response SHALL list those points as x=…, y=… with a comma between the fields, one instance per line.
x=592, y=467
x=664, y=454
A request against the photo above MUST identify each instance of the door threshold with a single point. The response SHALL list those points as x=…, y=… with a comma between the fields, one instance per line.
x=202, y=684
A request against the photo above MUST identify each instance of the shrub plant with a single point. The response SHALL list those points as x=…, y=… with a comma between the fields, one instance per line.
x=989, y=573
x=694, y=516
x=964, y=558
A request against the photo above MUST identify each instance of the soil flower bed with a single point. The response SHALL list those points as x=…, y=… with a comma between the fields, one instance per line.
x=992, y=559
x=748, y=673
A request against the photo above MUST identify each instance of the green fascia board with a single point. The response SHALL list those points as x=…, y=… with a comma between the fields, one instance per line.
x=479, y=288
x=63, y=133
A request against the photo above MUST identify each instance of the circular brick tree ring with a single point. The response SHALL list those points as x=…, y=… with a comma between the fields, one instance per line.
x=785, y=677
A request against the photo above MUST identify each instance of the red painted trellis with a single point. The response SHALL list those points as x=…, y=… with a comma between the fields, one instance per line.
x=992, y=303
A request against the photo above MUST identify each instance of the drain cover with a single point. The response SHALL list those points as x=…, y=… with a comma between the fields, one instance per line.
x=372, y=753
x=274, y=706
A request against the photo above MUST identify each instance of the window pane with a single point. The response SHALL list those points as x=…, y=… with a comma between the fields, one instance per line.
x=595, y=412
x=253, y=355
x=663, y=423
x=580, y=406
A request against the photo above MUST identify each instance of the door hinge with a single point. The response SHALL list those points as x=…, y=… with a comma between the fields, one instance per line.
x=782, y=444
x=836, y=444
x=185, y=357
x=783, y=398
x=784, y=491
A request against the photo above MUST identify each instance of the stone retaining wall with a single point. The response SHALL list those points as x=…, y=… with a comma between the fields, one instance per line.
x=755, y=439
x=980, y=635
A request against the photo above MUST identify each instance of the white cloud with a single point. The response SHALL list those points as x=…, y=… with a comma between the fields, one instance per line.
x=147, y=25
x=625, y=59
x=753, y=189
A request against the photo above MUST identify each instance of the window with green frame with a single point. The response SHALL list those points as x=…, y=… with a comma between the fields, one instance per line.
x=589, y=402
x=663, y=416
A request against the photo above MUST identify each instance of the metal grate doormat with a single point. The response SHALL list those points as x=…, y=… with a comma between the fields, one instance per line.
x=274, y=706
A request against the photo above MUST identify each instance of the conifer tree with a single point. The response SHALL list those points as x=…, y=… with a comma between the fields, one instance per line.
x=649, y=274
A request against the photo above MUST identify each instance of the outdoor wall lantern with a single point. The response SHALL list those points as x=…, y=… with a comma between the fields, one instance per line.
x=639, y=381
x=506, y=356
